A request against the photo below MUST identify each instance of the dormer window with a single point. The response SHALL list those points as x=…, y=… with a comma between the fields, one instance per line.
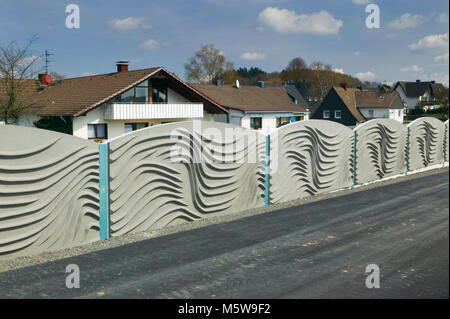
x=382, y=97
x=138, y=94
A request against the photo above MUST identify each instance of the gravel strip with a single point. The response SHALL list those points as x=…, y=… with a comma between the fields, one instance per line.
x=20, y=262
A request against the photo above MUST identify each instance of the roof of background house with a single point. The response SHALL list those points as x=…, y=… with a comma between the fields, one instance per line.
x=378, y=99
x=348, y=97
x=77, y=96
x=250, y=98
x=416, y=89
x=295, y=90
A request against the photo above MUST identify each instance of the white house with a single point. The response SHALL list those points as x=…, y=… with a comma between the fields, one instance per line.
x=414, y=92
x=259, y=107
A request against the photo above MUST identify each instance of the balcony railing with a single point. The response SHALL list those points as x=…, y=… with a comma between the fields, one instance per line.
x=126, y=111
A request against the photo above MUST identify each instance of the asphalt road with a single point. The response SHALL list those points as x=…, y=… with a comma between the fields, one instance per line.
x=316, y=250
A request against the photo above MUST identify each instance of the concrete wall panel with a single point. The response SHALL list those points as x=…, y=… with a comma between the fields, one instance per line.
x=380, y=150
x=48, y=191
x=309, y=158
x=148, y=190
x=426, y=143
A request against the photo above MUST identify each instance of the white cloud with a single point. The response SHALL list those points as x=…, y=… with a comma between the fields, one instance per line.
x=391, y=36
x=436, y=41
x=443, y=18
x=129, y=23
x=360, y=1
x=366, y=76
x=253, y=56
x=441, y=58
x=439, y=77
x=341, y=71
x=287, y=21
x=407, y=21
x=150, y=45
x=87, y=74
x=357, y=53
x=412, y=68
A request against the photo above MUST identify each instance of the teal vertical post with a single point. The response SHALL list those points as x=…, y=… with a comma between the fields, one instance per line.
x=355, y=140
x=407, y=151
x=104, y=190
x=267, y=174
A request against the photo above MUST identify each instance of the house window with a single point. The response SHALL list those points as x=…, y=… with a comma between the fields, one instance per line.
x=399, y=112
x=256, y=123
x=99, y=131
x=130, y=127
x=326, y=114
x=141, y=94
x=159, y=94
x=371, y=114
x=283, y=121
x=138, y=94
x=299, y=118
x=337, y=114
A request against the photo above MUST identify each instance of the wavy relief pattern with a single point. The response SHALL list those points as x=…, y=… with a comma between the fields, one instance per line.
x=149, y=191
x=380, y=150
x=427, y=139
x=48, y=191
x=310, y=158
x=426, y=143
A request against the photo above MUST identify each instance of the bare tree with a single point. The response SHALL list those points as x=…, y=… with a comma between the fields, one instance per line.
x=323, y=80
x=207, y=65
x=16, y=70
x=296, y=64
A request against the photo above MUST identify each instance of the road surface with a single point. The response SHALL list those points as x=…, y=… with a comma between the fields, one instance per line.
x=316, y=250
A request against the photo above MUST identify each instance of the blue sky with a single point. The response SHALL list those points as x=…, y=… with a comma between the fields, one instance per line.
x=412, y=42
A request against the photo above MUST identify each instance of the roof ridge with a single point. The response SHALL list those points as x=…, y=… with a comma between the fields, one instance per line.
x=103, y=74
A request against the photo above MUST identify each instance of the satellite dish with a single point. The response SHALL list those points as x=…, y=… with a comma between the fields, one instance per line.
x=237, y=84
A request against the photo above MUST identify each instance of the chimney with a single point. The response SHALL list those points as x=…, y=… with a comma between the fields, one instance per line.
x=261, y=84
x=344, y=86
x=433, y=82
x=44, y=78
x=217, y=83
x=122, y=66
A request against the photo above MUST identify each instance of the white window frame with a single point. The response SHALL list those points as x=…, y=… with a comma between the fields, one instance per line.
x=336, y=114
x=326, y=112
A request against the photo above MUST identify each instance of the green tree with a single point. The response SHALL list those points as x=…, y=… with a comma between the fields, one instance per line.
x=61, y=124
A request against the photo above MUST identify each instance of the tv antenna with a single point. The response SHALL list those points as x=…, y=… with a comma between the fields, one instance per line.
x=47, y=61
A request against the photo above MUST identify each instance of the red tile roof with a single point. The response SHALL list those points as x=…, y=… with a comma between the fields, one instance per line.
x=250, y=98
